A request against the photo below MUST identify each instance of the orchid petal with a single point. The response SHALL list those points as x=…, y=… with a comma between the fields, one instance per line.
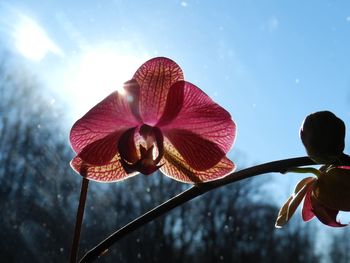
x=326, y=215
x=96, y=134
x=126, y=146
x=307, y=211
x=201, y=130
x=332, y=189
x=101, y=151
x=344, y=167
x=174, y=103
x=110, y=172
x=288, y=209
x=177, y=168
x=199, y=153
x=132, y=96
x=155, y=78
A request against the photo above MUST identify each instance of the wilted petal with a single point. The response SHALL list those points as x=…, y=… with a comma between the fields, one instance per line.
x=177, y=168
x=288, y=209
x=111, y=172
x=155, y=78
x=333, y=189
x=326, y=215
x=201, y=130
x=98, y=131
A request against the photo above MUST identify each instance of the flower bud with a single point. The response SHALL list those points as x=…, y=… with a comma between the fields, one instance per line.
x=322, y=134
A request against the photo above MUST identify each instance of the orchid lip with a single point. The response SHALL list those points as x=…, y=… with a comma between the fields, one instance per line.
x=141, y=149
x=143, y=166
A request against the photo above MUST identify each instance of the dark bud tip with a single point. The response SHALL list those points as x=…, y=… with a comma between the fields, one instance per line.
x=322, y=134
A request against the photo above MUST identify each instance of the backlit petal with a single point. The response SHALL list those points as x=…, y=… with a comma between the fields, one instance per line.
x=155, y=78
x=201, y=154
x=101, y=151
x=344, y=167
x=111, y=172
x=177, y=168
x=110, y=115
x=174, y=103
x=307, y=211
x=288, y=209
x=98, y=131
x=201, y=130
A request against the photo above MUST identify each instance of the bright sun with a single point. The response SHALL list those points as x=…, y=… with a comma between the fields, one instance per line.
x=98, y=72
x=89, y=74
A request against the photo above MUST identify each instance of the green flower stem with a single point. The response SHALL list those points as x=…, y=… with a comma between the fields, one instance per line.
x=79, y=220
x=305, y=170
x=191, y=193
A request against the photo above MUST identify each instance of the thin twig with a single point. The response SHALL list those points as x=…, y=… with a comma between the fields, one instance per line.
x=79, y=220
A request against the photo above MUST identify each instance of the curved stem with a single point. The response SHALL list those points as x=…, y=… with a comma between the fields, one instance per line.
x=194, y=191
x=79, y=220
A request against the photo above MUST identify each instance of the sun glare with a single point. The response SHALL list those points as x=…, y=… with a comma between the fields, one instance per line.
x=32, y=41
x=97, y=73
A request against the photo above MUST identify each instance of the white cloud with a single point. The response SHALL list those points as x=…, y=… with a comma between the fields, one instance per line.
x=31, y=39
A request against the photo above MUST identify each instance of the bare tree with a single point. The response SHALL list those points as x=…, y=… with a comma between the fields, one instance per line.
x=39, y=194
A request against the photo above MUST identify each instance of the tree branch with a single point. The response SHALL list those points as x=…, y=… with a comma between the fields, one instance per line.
x=191, y=193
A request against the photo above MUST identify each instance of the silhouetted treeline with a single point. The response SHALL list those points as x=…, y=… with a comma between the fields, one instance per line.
x=39, y=195
x=340, y=247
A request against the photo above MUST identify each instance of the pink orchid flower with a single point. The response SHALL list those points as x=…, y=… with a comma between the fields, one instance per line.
x=160, y=121
x=324, y=196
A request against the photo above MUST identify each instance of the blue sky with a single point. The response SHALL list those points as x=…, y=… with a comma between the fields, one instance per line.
x=269, y=63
